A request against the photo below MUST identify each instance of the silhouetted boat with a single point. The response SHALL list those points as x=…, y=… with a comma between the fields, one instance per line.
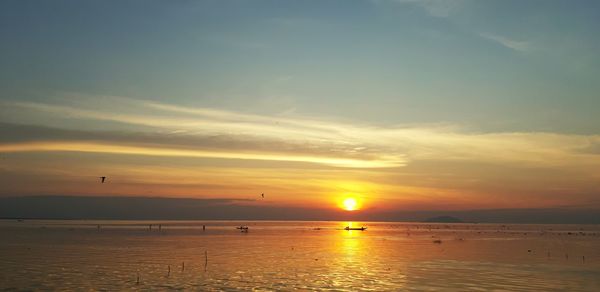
x=242, y=227
x=355, y=228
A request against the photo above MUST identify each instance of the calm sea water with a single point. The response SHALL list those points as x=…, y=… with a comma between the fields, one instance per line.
x=126, y=255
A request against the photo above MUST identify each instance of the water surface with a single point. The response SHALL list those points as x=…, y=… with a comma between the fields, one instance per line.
x=272, y=255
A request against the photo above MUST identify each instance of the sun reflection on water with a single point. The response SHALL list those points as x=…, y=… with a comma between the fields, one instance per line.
x=294, y=256
x=351, y=241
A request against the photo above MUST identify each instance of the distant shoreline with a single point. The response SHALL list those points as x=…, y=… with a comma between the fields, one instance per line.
x=283, y=220
x=154, y=208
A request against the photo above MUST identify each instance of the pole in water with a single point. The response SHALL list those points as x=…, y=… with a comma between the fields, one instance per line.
x=203, y=227
x=150, y=227
x=182, y=266
x=168, y=270
x=137, y=282
x=567, y=256
x=159, y=227
x=205, y=259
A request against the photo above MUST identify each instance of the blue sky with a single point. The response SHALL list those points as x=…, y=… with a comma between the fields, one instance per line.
x=492, y=65
x=415, y=97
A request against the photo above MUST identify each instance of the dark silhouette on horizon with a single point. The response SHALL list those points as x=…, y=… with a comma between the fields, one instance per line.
x=102, y=178
x=162, y=208
x=444, y=219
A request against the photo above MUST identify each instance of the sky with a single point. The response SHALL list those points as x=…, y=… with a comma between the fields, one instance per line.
x=403, y=105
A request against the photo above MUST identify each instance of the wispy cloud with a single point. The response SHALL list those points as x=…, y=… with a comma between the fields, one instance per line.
x=189, y=131
x=520, y=46
x=178, y=152
x=436, y=8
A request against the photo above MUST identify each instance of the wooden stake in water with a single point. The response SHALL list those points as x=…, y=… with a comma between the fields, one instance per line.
x=169, y=271
x=205, y=260
x=182, y=266
x=137, y=282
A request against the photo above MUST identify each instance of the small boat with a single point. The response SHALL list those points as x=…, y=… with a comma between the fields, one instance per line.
x=242, y=227
x=355, y=228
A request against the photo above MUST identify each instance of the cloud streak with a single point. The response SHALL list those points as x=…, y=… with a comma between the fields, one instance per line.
x=172, y=152
x=519, y=46
x=436, y=8
x=171, y=130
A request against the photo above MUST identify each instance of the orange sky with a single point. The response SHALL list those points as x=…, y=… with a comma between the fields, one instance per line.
x=295, y=161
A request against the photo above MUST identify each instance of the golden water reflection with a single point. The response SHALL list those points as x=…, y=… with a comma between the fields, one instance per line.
x=297, y=255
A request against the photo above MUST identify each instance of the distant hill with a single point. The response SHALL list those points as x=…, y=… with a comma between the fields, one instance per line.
x=444, y=219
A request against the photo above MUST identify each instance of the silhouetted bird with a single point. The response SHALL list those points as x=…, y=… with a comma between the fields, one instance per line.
x=102, y=178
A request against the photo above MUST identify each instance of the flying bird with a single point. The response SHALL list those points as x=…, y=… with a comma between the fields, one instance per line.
x=102, y=178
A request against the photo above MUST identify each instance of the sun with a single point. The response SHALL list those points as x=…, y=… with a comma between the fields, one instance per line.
x=350, y=204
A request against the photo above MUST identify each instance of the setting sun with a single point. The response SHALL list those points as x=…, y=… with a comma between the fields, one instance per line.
x=350, y=204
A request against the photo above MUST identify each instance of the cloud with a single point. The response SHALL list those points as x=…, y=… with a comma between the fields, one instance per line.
x=520, y=46
x=436, y=8
x=173, y=130
x=174, y=152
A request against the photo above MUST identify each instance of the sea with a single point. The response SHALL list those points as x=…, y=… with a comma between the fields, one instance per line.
x=78, y=255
